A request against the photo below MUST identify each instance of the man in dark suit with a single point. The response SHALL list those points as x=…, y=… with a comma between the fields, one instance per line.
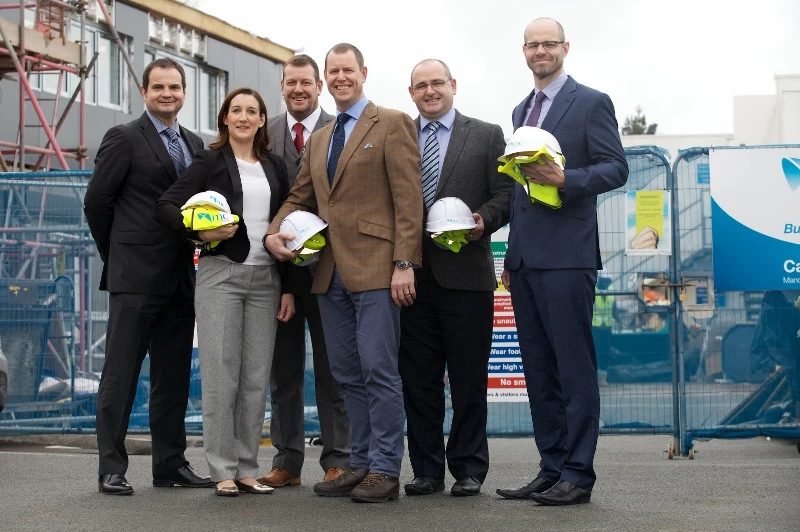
x=289, y=132
x=551, y=267
x=149, y=273
x=450, y=323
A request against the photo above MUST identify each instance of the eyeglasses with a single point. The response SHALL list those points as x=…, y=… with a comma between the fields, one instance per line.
x=548, y=45
x=436, y=84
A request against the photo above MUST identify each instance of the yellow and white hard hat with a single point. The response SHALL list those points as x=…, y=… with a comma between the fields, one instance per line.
x=205, y=218
x=449, y=214
x=303, y=225
x=529, y=140
x=209, y=198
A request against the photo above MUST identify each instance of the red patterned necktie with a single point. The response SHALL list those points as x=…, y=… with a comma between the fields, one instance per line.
x=298, y=137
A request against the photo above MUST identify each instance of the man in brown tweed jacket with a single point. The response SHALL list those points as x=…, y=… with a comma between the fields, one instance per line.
x=361, y=174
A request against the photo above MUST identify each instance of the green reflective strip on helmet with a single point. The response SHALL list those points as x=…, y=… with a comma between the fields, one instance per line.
x=451, y=240
x=315, y=242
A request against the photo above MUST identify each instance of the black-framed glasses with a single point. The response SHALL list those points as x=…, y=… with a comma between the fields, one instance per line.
x=548, y=45
x=437, y=84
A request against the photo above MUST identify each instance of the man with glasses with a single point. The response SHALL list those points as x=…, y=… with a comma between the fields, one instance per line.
x=551, y=267
x=289, y=133
x=450, y=324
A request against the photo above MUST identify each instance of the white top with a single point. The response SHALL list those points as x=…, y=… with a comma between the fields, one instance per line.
x=255, y=210
x=308, y=123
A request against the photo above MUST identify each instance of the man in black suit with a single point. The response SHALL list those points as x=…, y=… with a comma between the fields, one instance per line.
x=289, y=131
x=450, y=323
x=148, y=271
x=551, y=267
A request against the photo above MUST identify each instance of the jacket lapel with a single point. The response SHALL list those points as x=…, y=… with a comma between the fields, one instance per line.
x=154, y=139
x=368, y=119
x=560, y=105
x=237, y=205
x=458, y=137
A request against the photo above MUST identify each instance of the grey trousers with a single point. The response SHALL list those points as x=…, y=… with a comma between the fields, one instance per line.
x=236, y=307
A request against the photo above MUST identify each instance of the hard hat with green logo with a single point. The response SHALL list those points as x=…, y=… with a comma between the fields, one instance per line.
x=306, y=228
x=205, y=218
x=533, y=145
x=209, y=198
x=449, y=221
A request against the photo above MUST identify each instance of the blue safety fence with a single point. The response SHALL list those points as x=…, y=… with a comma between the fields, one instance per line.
x=739, y=350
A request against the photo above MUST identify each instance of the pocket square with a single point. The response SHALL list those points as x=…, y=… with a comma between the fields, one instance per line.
x=367, y=145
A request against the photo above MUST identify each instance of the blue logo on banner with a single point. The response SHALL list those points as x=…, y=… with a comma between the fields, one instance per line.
x=791, y=169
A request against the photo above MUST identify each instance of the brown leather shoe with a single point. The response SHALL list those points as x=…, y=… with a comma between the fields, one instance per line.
x=342, y=485
x=377, y=487
x=278, y=478
x=332, y=473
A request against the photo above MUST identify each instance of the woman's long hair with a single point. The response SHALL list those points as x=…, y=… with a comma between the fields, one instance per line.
x=261, y=140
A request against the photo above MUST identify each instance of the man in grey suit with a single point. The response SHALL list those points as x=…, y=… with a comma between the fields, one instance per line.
x=289, y=131
x=450, y=323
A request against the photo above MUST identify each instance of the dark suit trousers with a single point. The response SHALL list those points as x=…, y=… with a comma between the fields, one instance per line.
x=286, y=389
x=451, y=328
x=164, y=327
x=553, y=311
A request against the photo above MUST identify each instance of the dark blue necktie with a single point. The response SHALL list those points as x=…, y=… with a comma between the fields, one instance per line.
x=337, y=145
x=175, y=150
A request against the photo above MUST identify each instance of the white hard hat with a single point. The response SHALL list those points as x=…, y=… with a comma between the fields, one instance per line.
x=303, y=225
x=449, y=214
x=209, y=198
x=530, y=140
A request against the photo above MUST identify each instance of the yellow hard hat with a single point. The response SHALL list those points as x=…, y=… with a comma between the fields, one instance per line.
x=206, y=218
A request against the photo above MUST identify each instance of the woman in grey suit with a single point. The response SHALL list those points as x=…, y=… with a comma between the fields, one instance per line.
x=239, y=287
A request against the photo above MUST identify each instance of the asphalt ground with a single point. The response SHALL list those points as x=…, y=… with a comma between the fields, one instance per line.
x=748, y=485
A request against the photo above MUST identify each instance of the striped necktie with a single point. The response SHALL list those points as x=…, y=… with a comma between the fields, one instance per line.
x=175, y=150
x=430, y=165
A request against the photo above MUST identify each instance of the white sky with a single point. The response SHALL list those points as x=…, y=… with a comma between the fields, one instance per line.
x=681, y=60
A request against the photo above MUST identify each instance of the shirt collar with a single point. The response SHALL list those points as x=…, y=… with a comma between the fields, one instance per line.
x=356, y=109
x=308, y=122
x=552, y=89
x=446, y=120
x=161, y=126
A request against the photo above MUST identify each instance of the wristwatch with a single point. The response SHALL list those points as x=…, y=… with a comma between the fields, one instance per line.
x=402, y=264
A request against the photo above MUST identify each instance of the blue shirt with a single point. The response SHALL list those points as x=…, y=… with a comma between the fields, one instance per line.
x=442, y=135
x=550, y=92
x=355, y=113
x=161, y=126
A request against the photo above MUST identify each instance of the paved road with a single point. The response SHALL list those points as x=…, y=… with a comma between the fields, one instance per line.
x=732, y=485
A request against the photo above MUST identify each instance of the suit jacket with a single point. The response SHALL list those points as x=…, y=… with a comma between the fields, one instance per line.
x=281, y=141
x=132, y=170
x=583, y=121
x=373, y=208
x=217, y=170
x=469, y=172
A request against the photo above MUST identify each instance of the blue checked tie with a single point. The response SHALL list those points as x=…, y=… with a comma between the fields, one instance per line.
x=175, y=150
x=337, y=145
x=430, y=165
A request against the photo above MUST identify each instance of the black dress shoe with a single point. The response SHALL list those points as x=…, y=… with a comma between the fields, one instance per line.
x=562, y=494
x=114, y=484
x=185, y=476
x=537, y=485
x=424, y=486
x=466, y=486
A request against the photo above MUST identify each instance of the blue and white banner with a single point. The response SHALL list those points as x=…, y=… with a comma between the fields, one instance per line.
x=755, y=208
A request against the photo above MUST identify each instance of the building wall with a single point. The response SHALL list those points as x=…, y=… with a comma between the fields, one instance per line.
x=243, y=68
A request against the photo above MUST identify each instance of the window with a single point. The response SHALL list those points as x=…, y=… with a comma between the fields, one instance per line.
x=108, y=73
x=205, y=89
x=188, y=115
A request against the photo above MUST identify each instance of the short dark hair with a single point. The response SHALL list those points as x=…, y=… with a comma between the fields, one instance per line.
x=166, y=63
x=431, y=60
x=261, y=140
x=301, y=60
x=343, y=48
